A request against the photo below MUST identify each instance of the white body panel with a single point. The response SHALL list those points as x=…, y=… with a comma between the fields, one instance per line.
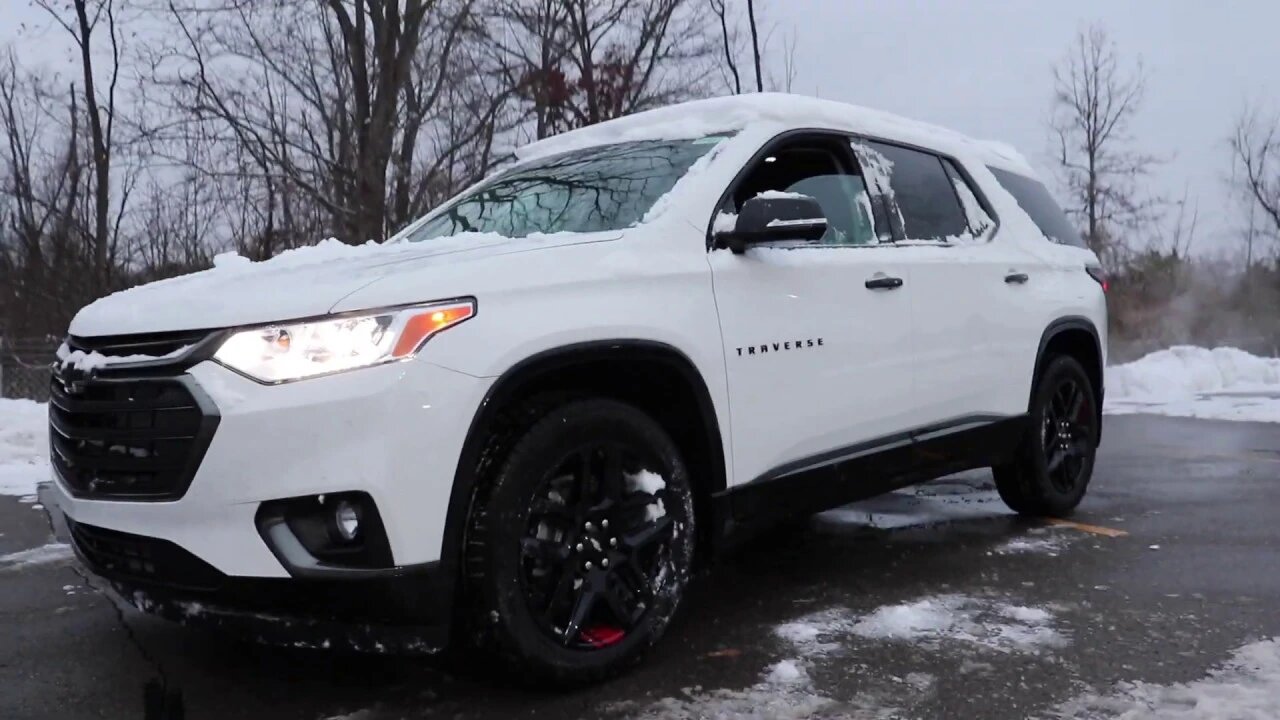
x=955, y=341
x=851, y=377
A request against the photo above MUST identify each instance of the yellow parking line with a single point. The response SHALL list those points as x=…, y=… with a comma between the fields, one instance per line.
x=1095, y=529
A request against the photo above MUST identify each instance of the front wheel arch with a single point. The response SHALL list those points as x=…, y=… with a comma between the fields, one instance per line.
x=571, y=371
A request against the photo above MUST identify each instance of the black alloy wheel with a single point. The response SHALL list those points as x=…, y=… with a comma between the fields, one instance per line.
x=595, y=541
x=580, y=542
x=1050, y=471
x=1067, y=434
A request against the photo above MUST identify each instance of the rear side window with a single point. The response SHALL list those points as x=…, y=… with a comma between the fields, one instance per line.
x=925, y=196
x=1036, y=201
x=979, y=220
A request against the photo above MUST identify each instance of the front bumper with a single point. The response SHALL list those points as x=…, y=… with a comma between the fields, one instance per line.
x=394, y=432
x=404, y=613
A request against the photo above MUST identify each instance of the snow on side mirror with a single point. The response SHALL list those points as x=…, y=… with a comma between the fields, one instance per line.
x=771, y=216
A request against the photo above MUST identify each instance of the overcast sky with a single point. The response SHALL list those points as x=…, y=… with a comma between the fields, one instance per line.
x=984, y=67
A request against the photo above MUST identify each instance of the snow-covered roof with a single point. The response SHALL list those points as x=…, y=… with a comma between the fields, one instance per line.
x=736, y=112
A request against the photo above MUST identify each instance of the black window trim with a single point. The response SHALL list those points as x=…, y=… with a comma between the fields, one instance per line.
x=974, y=187
x=879, y=220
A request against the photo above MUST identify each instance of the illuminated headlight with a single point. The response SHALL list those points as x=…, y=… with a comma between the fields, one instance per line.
x=293, y=351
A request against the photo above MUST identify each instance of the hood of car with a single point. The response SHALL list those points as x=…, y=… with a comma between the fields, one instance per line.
x=302, y=283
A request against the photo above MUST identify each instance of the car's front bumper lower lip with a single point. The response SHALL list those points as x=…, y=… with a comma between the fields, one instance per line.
x=401, y=613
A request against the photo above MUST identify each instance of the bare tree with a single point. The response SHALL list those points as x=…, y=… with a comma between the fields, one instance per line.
x=1255, y=145
x=87, y=18
x=729, y=41
x=574, y=63
x=1095, y=99
x=755, y=43
x=737, y=19
x=341, y=110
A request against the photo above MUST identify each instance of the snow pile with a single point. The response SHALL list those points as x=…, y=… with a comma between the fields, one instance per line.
x=24, y=447
x=1247, y=686
x=984, y=622
x=1222, y=383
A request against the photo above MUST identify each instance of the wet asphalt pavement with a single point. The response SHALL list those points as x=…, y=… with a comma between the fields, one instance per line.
x=1045, y=612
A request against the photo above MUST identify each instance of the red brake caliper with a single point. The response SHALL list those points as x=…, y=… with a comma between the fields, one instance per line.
x=602, y=636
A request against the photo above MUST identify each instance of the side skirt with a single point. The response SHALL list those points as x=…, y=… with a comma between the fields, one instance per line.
x=862, y=471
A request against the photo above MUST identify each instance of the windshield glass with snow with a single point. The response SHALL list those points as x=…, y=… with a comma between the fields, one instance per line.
x=601, y=188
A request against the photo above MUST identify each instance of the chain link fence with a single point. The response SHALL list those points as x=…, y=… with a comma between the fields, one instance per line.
x=25, y=366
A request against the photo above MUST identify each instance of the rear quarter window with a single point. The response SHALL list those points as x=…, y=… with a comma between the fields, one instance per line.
x=1034, y=198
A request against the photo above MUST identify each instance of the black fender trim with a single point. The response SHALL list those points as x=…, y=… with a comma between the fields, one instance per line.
x=1057, y=327
x=517, y=377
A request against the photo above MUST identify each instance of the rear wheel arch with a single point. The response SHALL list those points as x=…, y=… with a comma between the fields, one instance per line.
x=655, y=377
x=1076, y=337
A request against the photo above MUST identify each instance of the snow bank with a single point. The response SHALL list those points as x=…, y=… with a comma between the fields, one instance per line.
x=1246, y=686
x=24, y=447
x=1222, y=383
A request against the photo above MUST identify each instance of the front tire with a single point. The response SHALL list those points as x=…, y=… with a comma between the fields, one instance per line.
x=1053, y=466
x=580, y=545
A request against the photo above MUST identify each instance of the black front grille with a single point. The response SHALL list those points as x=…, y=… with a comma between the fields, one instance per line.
x=122, y=556
x=153, y=344
x=127, y=438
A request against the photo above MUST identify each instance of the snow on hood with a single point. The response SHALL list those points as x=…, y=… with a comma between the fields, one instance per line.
x=300, y=283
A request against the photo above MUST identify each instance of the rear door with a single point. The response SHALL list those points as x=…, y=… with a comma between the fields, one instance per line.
x=963, y=283
x=817, y=361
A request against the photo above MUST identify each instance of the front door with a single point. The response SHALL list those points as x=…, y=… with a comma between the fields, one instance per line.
x=817, y=336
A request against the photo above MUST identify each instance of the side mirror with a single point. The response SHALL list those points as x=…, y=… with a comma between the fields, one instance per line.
x=774, y=216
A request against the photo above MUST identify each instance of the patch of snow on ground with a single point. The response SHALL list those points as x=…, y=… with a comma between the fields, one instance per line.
x=787, y=672
x=985, y=622
x=43, y=555
x=24, y=447
x=816, y=633
x=1042, y=543
x=964, y=497
x=1246, y=687
x=1183, y=381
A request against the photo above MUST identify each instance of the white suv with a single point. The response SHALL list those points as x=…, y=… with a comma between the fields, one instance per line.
x=524, y=418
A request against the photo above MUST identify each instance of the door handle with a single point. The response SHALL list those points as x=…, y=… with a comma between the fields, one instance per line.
x=884, y=283
x=1016, y=278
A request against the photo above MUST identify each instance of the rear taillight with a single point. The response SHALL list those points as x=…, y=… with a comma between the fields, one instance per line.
x=1097, y=273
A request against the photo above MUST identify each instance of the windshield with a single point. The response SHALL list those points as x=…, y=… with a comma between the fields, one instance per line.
x=607, y=187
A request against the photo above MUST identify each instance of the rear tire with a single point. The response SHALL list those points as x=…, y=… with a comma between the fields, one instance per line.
x=579, y=546
x=1054, y=463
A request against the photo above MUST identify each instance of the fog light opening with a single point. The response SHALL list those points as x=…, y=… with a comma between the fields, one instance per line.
x=346, y=521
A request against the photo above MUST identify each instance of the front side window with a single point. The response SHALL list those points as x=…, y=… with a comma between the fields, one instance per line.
x=1035, y=200
x=608, y=187
x=925, y=196
x=827, y=175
